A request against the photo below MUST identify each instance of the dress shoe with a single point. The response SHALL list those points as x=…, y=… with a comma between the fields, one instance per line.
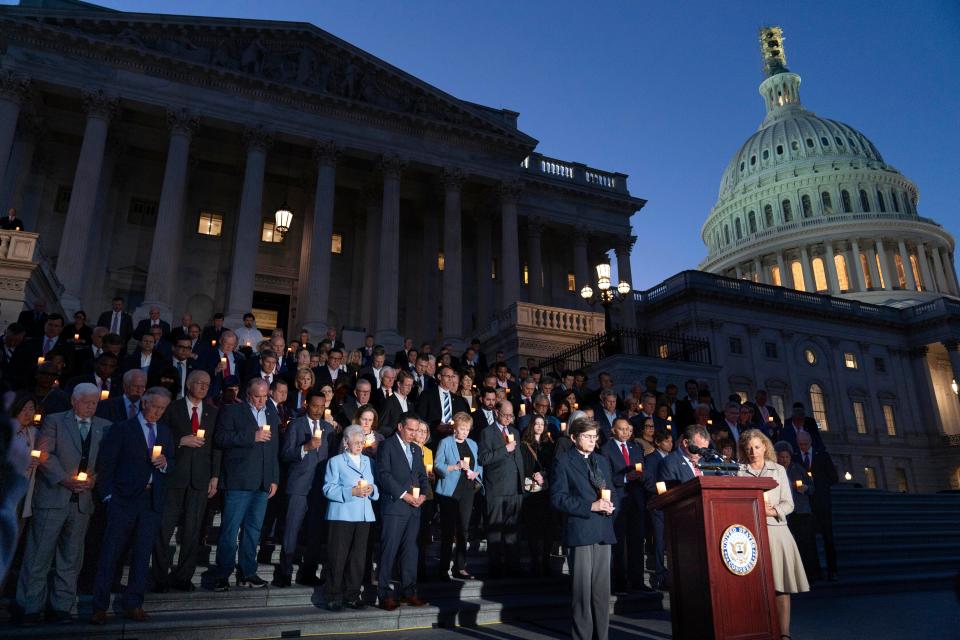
x=413, y=601
x=389, y=604
x=184, y=585
x=59, y=617
x=98, y=617
x=356, y=604
x=253, y=582
x=334, y=605
x=308, y=579
x=137, y=614
x=281, y=582
x=221, y=585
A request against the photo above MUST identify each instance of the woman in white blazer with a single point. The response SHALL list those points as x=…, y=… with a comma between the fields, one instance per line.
x=459, y=477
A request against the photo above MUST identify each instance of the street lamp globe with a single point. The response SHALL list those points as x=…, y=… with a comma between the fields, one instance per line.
x=586, y=292
x=623, y=288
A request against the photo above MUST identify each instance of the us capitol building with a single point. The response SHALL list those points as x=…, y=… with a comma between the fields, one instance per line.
x=205, y=164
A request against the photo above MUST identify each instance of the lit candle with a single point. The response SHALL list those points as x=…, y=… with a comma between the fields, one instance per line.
x=213, y=343
x=76, y=337
x=576, y=405
x=416, y=492
x=769, y=418
x=327, y=415
x=247, y=343
x=223, y=361
x=265, y=427
x=563, y=426
x=605, y=494
x=361, y=483
x=709, y=421
x=523, y=410
x=369, y=439
x=82, y=476
x=201, y=433
x=810, y=473
x=37, y=418
x=35, y=453
x=669, y=418
x=799, y=483
x=104, y=394
x=661, y=487
x=157, y=450
x=466, y=462
x=317, y=433
x=40, y=360
x=509, y=437
x=669, y=428
x=638, y=467
x=848, y=476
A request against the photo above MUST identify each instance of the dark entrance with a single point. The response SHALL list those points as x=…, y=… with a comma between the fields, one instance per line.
x=272, y=311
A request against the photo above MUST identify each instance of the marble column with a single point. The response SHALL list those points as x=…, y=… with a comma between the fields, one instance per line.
x=110, y=194
x=581, y=264
x=928, y=283
x=786, y=271
x=72, y=257
x=317, y=303
x=949, y=271
x=871, y=254
x=938, y=272
x=373, y=204
x=19, y=165
x=809, y=284
x=249, y=221
x=833, y=282
x=452, y=258
x=534, y=261
x=484, y=256
x=13, y=90
x=509, y=245
x=953, y=352
x=886, y=276
x=628, y=318
x=162, y=280
x=857, y=266
x=758, y=271
x=388, y=289
x=907, y=267
x=429, y=268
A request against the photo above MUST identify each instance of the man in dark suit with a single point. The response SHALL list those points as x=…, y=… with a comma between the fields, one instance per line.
x=132, y=477
x=630, y=501
x=33, y=320
x=438, y=405
x=25, y=359
x=663, y=441
x=401, y=474
x=331, y=373
x=249, y=435
x=184, y=365
x=13, y=339
x=388, y=378
x=681, y=465
x=396, y=405
x=580, y=477
x=143, y=327
x=485, y=415
x=146, y=358
x=126, y=405
x=359, y=397
x=117, y=321
x=335, y=343
x=103, y=376
x=191, y=483
x=819, y=465
x=306, y=448
x=223, y=362
x=801, y=422
x=401, y=359
x=606, y=414
x=183, y=329
x=504, y=381
x=766, y=414
x=11, y=222
x=421, y=380
x=503, y=481
x=213, y=332
x=374, y=368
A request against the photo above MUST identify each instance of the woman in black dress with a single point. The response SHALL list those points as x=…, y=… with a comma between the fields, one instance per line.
x=537, y=449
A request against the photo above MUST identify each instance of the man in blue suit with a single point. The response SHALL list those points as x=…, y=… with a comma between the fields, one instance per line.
x=663, y=442
x=400, y=474
x=624, y=454
x=248, y=434
x=127, y=404
x=579, y=478
x=306, y=448
x=131, y=480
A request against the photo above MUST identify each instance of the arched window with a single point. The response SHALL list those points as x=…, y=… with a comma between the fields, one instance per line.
x=827, y=203
x=766, y=153
x=819, y=275
x=797, y=272
x=907, y=203
x=840, y=262
x=810, y=143
x=738, y=229
x=865, y=267
x=915, y=266
x=752, y=222
x=767, y=215
x=845, y=200
x=818, y=404
x=806, y=206
x=787, y=211
x=894, y=201
x=824, y=141
x=779, y=149
x=901, y=274
x=880, y=203
x=864, y=201
x=726, y=234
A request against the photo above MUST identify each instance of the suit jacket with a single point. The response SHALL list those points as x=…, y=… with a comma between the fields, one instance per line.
x=772, y=412
x=90, y=378
x=340, y=478
x=178, y=332
x=247, y=465
x=24, y=360
x=651, y=470
x=429, y=408
x=378, y=398
x=390, y=415
x=125, y=465
x=401, y=360
x=194, y=467
x=305, y=470
x=674, y=469
x=395, y=477
x=447, y=454
x=209, y=362
x=114, y=409
x=157, y=364
x=418, y=390
x=33, y=323
x=824, y=477
x=685, y=413
x=143, y=328
x=504, y=470
x=323, y=377
x=209, y=333
x=60, y=440
x=788, y=433
x=367, y=373
x=348, y=410
x=572, y=493
x=633, y=489
x=126, y=325
x=604, y=426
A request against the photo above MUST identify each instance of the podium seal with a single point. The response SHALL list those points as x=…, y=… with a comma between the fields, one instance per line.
x=738, y=548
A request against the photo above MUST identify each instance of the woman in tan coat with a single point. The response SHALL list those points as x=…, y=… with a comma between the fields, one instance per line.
x=759, y=460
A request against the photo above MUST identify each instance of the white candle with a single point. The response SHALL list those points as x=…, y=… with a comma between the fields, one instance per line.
x=523, y=410
x=466, y=462
x=200, y=433
x=509, y=437
x=82, y=476
x=213, y=343
x=223, y=361
x=265, y=427
x=563, y=426
x=709, y=421
x=327, y=415
x=76, y=337
x=605, y=494
x=769, y=418
x=317, y=433
x=799, y=483
x=37, y=418
x=669, y=418
x=576, y=405
x=416, y=492
x=361, y=483
x=638, y=467
x=104, y=394
x=40, y=360
x=369, y=439
x=661, y=487
x=35, y=453
x=157, y=450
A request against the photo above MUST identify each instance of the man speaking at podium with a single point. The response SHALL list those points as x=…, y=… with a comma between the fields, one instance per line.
x=681, y=465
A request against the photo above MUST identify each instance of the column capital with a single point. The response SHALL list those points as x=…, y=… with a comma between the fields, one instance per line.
x=534, y=226
x=13, y=86
x=182, y=122
x=258, y=137
x=624, y=244
x=452, y=178
x=580, y=236
x=509, y=191
x=326, y=153
x=392, y=165
x=371, y=195
x=99, y=104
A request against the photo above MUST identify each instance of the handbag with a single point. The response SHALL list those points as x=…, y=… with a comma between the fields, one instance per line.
x=529, y=485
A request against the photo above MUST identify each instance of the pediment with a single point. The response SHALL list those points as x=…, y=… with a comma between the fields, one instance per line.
x=292, y=58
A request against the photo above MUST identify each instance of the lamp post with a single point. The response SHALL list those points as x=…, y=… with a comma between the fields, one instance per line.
x=605, y=295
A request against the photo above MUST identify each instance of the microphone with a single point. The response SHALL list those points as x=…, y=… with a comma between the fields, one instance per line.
x=712, y=462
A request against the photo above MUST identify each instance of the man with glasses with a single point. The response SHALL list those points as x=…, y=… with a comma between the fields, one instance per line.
x=183, y=363
x=330, y=373
x=437, y=405
x=503, y=484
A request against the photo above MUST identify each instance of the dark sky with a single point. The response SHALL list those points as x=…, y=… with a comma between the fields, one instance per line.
x=667, y=91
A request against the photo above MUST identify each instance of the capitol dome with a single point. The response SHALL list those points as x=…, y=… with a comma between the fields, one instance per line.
x=809, y=203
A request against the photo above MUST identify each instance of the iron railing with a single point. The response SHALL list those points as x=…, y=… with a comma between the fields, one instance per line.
x=648, y=344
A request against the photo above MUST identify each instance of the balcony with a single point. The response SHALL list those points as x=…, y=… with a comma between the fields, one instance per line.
x=574, y=173
x=25, y=275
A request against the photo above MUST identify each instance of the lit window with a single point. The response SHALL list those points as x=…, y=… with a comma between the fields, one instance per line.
x=440, y=261
x=810, y=356
x=526, y=274
x=268, y=233
x=840, y=263
x=663, y=351
x=819, y=275
x=860, y=417
x=797, y=272
x=850, y=360
x=336, y=244
x=743, y=396
x=901, y=274
x=819, y=405
x=871, y=476
x=865, y=267
x=915, y=267
x=889, y=419
x=902, y=485
x=571, y=281
x=775, y=276
x=211, y=224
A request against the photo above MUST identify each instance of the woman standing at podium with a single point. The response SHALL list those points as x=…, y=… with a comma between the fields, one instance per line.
x=759, y=460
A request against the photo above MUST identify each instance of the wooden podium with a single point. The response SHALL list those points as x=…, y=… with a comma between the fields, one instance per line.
x=721, y=581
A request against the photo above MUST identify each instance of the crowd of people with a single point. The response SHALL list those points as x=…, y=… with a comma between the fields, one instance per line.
x=353, y=461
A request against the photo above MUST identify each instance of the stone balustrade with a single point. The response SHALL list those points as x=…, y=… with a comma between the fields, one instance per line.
x=25, y=275
x=538, y=164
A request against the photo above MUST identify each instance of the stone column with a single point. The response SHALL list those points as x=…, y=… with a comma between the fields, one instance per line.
x=373, y=204
x=929, y=284
x=924, y=391
x=738, y=271
x=786, y=272
x=316, y=306
x=13, y=90
x=809, y=284
x=510, y=251
x=72, y=258
x=581, y=264
x=888, y=281
x=948, y=271
x=247, y=239
x=861, y=281
x=388, y=290
x=907, y=267
x=484, y=262
x=430, y=280
x=452, y=258
x=534, y=261
x=953, y=352
x=758, y=271
x=628, y=318
x=938, y=272
x=833, y=282
x=871, y=254
x=19, y=164
x=162, y=280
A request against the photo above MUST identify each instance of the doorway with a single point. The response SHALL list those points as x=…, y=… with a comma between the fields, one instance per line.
x=272, y=311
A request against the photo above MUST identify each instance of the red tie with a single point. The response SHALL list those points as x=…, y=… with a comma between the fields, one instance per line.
x=226, y=368
x=696, y=471
x=626, y=454
x=195, y=421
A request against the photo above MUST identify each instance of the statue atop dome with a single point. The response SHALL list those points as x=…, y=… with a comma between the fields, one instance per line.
x=771, y=47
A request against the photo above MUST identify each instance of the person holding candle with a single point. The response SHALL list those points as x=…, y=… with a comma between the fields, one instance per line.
x=401, y=470
x=303, y=383
x=438, y=404
x=819, y=466
x=459, y=477
x=79, y=331
x=800, y=522
x=396, y=405
x=212, y=333
x=429, y=508
x=25, y=439
x=367, y=419
x=537, y=450
x=580, y=476
x=504, y=473
x=759, y=460
x=137, y=456
x=194, y=480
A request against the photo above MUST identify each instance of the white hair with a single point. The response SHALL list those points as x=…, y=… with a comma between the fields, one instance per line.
x=85, y=389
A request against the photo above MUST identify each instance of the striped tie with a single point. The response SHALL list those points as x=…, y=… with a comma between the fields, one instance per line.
x=447, y=416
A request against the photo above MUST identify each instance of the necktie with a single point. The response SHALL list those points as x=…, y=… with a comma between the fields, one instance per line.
x=806, y=460
x=84, y=429
x=506, y=432
x=132, y=410
x=180, y=372
x=626, y=454
x=47, y=344
x=268, y=378
x=696, y=471
x=408, y=451
x=446, y=407
x=195, y=421
x=226, y=368
x=151, y=435
x=115, y=325
x=389, y=392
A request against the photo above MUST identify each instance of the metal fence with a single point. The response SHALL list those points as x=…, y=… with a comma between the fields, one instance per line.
x=631, y=342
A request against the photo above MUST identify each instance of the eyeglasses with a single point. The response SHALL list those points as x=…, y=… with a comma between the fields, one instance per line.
x=588, y=436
